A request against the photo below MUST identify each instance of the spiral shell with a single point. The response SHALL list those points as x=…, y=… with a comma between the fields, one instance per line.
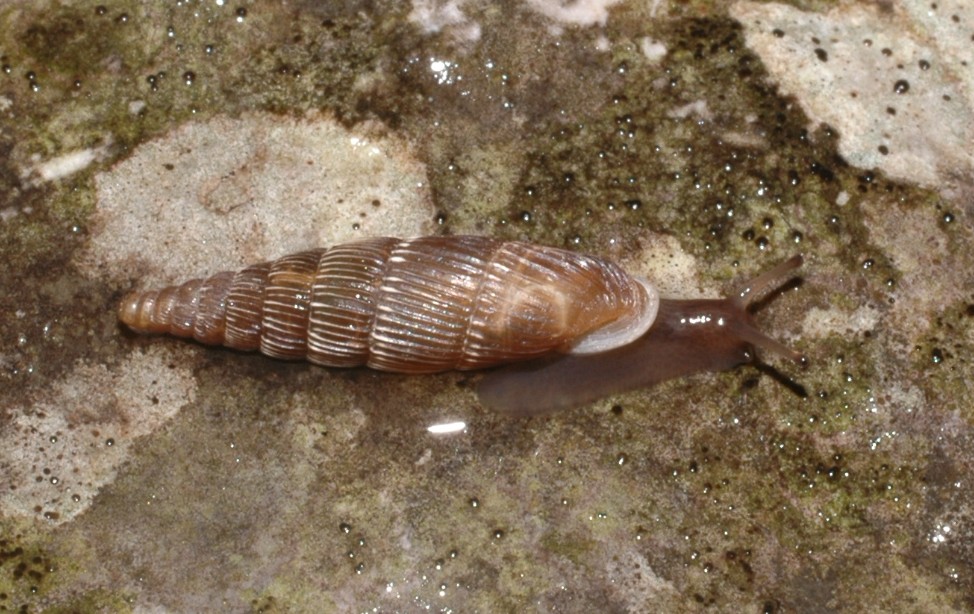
x=411, y=306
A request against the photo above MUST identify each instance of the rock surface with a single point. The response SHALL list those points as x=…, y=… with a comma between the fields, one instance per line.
x=696, y=143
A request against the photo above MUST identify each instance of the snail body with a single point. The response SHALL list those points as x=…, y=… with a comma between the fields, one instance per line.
x=688, y=336
x=434, y=304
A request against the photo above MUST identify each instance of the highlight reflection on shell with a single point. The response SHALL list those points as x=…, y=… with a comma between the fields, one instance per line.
x=412, y=306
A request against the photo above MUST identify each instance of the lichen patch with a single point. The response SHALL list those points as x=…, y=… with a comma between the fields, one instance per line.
x=577, y=12
x=893, y=78
x=58, y=453
x=662, y=260
x=226, y=193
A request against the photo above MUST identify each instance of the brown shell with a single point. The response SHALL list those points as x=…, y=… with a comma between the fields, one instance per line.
x=411, y=306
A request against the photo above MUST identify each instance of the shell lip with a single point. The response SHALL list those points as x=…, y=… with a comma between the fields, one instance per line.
x=624, y=330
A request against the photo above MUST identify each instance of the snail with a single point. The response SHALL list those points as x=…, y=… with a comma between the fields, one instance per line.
x=573, y=328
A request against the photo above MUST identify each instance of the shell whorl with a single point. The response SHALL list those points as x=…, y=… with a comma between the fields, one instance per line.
x=412, y=306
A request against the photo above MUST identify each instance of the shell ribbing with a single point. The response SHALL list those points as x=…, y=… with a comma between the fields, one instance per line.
x=414, y=306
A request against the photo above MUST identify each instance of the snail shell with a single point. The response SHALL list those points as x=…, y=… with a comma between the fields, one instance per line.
x=410, y=306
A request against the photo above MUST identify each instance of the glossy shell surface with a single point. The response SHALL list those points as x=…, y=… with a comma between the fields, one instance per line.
x=411, y=306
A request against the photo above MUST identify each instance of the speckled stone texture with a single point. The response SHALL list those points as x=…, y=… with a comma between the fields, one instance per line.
x=695, y=143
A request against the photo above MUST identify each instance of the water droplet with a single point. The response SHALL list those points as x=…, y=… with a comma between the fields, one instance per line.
x=474, y=502
x=100, y=9
x=948, y=218
x=109, y=442
x=241, y=14
x=937, y=356
x=188, y=77
x=902, y=86
x=344, y=527
x=924, y=65
x=498, y=533
x=209, y=49
x=868, y=263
